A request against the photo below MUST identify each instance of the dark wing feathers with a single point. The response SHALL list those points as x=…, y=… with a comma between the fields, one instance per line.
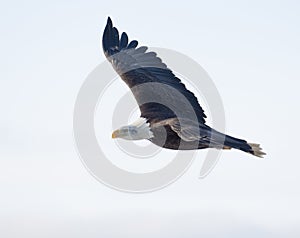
x=137, y=66
x=132, y=44
x=123, y=41
x=115, y=38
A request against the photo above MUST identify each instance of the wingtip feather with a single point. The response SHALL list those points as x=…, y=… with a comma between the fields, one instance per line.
x=109, y=22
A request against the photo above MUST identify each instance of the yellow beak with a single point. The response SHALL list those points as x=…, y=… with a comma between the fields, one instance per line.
x=115, y=134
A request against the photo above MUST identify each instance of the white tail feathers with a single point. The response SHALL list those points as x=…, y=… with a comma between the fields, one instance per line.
x=257, y=150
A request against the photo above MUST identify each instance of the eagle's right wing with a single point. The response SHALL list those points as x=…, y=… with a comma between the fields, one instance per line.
x=158, y=92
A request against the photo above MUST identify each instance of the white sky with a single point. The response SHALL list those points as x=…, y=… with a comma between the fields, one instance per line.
x=250, y=49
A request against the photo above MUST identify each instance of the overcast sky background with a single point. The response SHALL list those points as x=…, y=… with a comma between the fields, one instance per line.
x=249, y=48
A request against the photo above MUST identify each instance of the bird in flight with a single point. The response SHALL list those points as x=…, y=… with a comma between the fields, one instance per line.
x=171, y=116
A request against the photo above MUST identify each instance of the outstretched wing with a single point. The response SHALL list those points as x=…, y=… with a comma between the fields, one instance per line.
x=158, y=92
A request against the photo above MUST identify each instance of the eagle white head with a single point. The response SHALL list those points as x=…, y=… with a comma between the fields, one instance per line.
x=138, y=130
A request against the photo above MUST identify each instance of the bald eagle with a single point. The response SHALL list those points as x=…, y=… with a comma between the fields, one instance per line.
x=171, y=116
